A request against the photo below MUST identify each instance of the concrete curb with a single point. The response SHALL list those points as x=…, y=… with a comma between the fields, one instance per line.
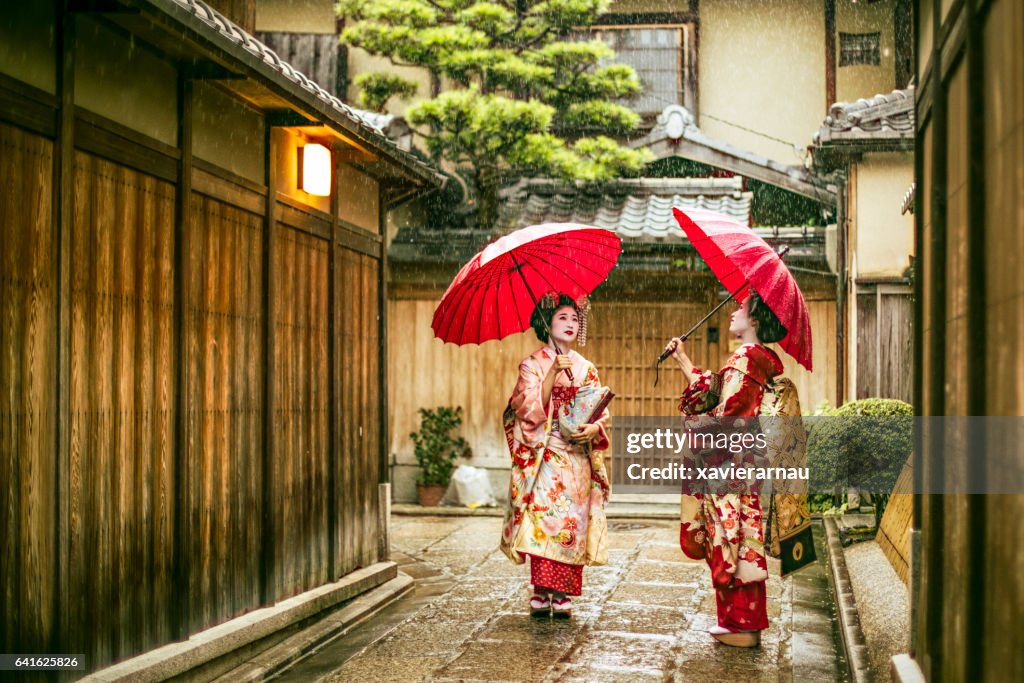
x=613, y=511
x=854, y=643
x=272, y=661
x=218, y=649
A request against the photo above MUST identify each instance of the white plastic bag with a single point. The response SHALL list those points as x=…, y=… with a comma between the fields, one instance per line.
x=473, y=487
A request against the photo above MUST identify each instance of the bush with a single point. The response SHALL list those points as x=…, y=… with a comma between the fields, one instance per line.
x=868, y=453
x=435, y=447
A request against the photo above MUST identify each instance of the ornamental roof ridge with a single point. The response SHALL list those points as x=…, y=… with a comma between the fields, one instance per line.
x=882, y=116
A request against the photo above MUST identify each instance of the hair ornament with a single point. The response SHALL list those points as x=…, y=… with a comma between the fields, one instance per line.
x=583, y=311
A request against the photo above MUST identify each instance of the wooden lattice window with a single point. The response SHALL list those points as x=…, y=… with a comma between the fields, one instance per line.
x=859, y=48
x=663, y=58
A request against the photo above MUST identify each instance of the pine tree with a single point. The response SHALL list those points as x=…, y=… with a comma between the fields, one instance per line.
x=521, y=96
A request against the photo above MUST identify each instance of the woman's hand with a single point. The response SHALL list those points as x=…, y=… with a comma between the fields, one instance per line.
x=675, y=345
x=562, y=362
x=681, y=359
x=586, y=434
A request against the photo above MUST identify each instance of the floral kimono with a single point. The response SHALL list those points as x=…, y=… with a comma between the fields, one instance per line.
x=556, y=498
x=724, y=524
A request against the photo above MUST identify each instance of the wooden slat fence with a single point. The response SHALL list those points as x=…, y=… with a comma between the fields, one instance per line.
x=136, y=579
x=897, y=519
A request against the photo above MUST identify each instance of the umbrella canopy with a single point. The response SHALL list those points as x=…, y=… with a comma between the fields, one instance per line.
x=740, y=259
x=494, y=294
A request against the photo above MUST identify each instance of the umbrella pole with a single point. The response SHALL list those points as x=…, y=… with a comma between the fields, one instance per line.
x=666, y=354
x=519, y=269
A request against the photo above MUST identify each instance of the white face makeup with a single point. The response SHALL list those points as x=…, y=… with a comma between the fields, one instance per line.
x=565, y=326
x=739, y=321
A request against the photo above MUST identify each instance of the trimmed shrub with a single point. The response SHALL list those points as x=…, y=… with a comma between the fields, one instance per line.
x=867, y=453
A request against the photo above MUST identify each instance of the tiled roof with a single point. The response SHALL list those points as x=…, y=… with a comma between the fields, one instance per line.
x=225, y=33
x=638, y=210
x=882, y=117
x=677, y=135
x=908, y=199
x=635, y=209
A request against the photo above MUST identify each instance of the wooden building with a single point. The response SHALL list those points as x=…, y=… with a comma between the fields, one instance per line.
x=870, y=143
x=192, y=424
x=658, y=290
x=966, y=587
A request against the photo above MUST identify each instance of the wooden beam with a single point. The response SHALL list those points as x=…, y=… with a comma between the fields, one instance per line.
x=334, y=454
x=383, y=471
x=27, y=107
x=352, y=154
x=830, y=53
x=63, y=214
x=695, y=151
x=285, y=118
x=206, y=70
x=977, y=340
x=268, y=573
x=180, y=620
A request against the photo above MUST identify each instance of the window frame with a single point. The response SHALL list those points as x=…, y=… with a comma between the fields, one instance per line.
x=686, y=66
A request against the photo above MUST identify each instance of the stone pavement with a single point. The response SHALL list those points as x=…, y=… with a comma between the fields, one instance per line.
x=643, y=617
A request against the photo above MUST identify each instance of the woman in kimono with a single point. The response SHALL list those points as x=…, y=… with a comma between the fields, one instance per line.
x=559, y=485
x=724, y=525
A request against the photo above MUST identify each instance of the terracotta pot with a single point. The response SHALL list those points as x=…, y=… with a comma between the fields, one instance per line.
x=430, y=495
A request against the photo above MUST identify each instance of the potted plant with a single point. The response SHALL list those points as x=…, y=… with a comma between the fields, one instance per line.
x=436, y=450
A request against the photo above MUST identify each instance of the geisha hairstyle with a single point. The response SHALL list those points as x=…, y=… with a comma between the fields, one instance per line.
x=544, y=312
x=769, y=328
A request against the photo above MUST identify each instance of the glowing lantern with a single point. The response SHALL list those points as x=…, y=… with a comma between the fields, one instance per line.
x=315, y=170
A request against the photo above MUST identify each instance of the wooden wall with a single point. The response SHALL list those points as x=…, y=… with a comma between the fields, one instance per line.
x=968, y=591
x=626, y=335
x=28, y=335
x=222, y=396
x=884, y=343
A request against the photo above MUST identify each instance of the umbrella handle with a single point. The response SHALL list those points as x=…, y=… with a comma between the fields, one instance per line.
x=668, y=352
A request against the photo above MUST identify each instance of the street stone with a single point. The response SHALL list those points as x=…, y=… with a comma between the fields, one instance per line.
x=662, y=572
x=617, y=651
x=398, y=669
x=654, y=594
x=504, y=661
x=595, y=674
x=653, y=620
x=661, y=553
x=642, y=617
x=522, y=627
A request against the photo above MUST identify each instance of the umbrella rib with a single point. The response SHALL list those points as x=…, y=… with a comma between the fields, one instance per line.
x=582, y=246
x=544, y=260
x=468, y=290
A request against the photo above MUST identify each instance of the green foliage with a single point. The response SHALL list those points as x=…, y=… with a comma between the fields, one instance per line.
x=862, y=443
x=435, y=447
x=772, y=205
x=677, y=167
x=375, y=89
x=519, y=94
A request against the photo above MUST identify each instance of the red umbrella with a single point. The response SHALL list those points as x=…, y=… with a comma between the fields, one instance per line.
x=494, y=294
x=740, y=259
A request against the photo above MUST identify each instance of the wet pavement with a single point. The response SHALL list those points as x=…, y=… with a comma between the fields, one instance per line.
x=643, y=617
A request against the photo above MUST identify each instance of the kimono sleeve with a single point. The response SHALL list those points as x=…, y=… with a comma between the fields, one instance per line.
x=528, y=398
x=703, y=393
x=741, y=394
x=601, y=443
x=731, y=392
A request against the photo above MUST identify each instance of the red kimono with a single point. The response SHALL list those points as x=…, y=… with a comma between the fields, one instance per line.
x=730, y=518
